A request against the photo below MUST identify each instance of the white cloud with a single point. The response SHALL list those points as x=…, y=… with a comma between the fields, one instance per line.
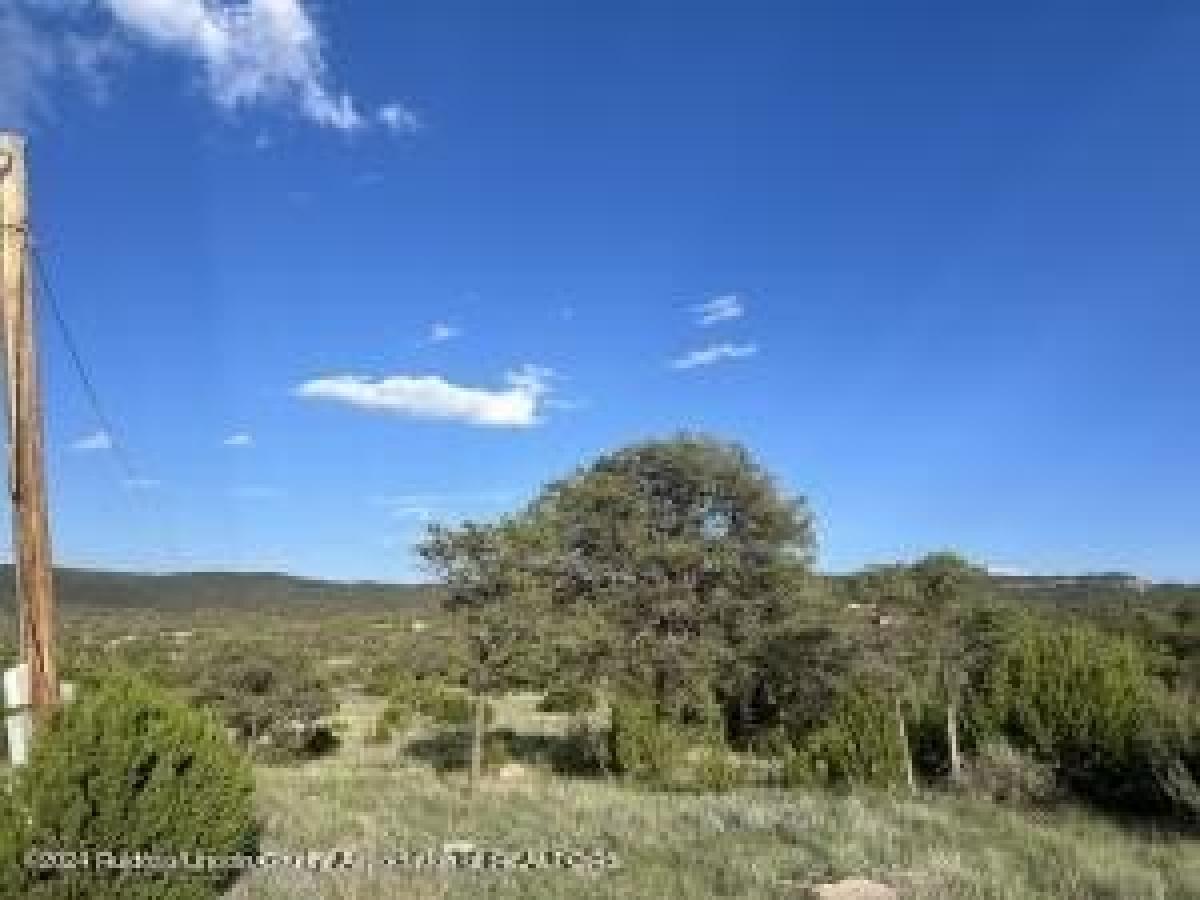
x=399, y=118
x=259, y=50
x=241, y=439
x=250, y=52
x=719, y=309
x=98, y=440
x=433, y=397
x=440, y=331
x=710, y=355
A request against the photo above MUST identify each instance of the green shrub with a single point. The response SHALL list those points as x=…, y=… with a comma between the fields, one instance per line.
x=798, y=769
x=396, y=717
x=455, y=707
x=1085, y=703
x=450, y=707
x=714, y=768
x=640, y=745
x=859, y=744
x=568, y=698
x=127, y=768
x=433, y=699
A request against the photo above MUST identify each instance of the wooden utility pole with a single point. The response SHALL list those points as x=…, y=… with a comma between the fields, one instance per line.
x=27, y=480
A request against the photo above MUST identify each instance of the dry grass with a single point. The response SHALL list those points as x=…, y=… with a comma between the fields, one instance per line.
x=753, y=843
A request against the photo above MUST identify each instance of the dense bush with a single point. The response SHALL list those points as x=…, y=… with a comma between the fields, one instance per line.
x=568, y=698
x=127, y=768
x=446, y=705
x=641, y=745
x=1085, y=703
x=858, y=744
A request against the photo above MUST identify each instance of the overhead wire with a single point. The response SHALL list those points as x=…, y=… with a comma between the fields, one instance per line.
x=131, y=473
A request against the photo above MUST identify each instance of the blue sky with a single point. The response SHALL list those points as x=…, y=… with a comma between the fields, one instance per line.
x=424, y=256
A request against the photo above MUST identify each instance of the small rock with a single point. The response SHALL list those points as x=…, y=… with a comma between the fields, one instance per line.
x=511, y=770
x=855, y=889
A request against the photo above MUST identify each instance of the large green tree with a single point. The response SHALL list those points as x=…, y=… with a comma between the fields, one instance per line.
x=691, y=552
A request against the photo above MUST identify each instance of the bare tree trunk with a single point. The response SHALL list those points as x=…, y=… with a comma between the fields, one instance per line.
x=476, y=770
x=910, y=777
x=660, y=692
x=252, y=748
x=956, y=763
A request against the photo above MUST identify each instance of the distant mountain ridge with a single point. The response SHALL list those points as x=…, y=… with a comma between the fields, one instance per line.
x=91, y=588
x=99, y=589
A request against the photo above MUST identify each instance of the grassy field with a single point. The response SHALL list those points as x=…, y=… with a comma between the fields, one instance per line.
x=754, y=843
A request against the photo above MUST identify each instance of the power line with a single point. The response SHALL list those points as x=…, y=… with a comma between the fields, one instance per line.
x=132, y=475
x=89, y=387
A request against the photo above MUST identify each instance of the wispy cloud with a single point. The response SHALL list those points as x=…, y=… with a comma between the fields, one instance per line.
x=240, y=439
x=92, y=58
x=28, y=58
x=399, y=118
x=443, y=499
x=719, y=309
x=447, y=506
x=97, y=440
x=420, y=513
x=714, y=354
x=440, y=331
x=249, y=53
x=519, y=405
